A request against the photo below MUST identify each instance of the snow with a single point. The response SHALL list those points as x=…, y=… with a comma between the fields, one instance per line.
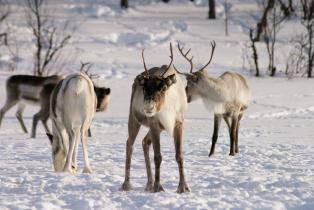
x=275, y=166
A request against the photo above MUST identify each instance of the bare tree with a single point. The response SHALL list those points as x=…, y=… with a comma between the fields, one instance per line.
x=227, y=7
x=255, y=56
x=261, y=25
x=308, y=23
x=286, y=7
x=49, y=38
x=270, y=35
x=296, y=63
x=211, y=9
x=4, y=13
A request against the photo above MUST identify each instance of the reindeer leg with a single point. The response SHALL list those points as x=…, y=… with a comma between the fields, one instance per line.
x=87, y=168
x=44, y=120
x=133, y=128
x=146, y=145
x=10, y=102
x=233, y=133
x=227, y=120
x=89, y=133
x=183, y=186
x=36, y=117
x=237, y=134
x=157, y=160
x=72, y=138
x=74, y=156
x=19, y=116
x=217, y=121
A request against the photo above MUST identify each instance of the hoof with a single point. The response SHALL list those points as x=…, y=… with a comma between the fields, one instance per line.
x=158, y=188
x=231, y=153
x=210, y=154
x=149, y=187
x=126, y=186
x=87, y=170
x=182, y=188
x=68, y=170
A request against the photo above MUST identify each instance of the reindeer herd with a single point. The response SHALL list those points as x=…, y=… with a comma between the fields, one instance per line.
x=159, y=101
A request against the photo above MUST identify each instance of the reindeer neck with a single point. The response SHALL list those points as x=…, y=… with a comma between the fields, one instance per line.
x=212, y=88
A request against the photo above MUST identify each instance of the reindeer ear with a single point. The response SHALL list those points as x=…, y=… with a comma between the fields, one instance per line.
x=171, y=80
x=107, y=91
x=50, y=137
x=140, y=80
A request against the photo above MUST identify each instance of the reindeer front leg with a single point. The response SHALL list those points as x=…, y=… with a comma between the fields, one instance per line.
x=157, y=160
x=146, y=145
x=133, y=128
x=217, y=121
x=183, y=186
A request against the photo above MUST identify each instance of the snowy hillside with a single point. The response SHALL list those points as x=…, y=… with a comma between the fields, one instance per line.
x=275, y=166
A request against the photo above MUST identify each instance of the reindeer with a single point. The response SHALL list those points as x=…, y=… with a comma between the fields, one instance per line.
x=72, y=106
x=23, y=89
x=228, y=96
x=102, y=94
x=158, y=102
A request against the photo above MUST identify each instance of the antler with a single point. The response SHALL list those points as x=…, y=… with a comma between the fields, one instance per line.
x=185, y=56
x=144, y=62
x=83, y=65
x=171, y=57
x=213, y=43
x=87, y=72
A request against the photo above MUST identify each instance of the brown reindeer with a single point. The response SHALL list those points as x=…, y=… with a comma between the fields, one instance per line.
x=158, y=102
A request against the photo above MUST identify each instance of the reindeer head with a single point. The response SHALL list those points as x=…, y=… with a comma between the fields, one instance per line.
x=194, y=79
x=58, y=152
x=102, y=95
x=155, y=87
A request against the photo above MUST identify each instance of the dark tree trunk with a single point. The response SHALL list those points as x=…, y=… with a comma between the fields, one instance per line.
x=212, y=9
x=263, y=23
x=310, y=53
x=255, y=57
x=124, y=4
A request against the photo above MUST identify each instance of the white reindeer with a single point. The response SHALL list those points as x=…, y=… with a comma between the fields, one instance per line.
x=228, y=96
x=73, y=104
x=22, y=89
x=158, y=102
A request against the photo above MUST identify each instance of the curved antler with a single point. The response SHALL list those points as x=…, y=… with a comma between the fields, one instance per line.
x=87, y=72
x=213, y=44
x=185, y=74
x=185, y=56
x=85, y=64
x=171, y=57
x=144, y=62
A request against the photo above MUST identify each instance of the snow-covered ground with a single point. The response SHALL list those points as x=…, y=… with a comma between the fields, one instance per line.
x=275, y=167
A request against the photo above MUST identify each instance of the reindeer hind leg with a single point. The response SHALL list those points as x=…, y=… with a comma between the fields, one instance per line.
x=19, y=116
x=237, y=134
